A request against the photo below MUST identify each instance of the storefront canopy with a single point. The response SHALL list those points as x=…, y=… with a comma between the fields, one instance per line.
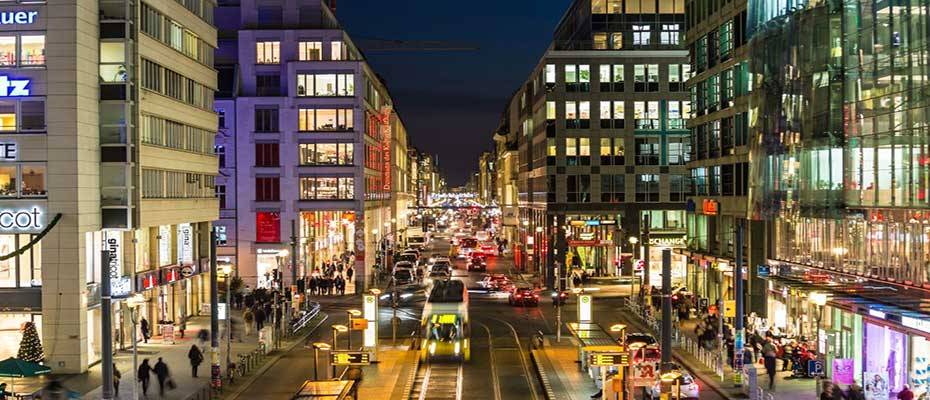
x=591, y=334
x=874, y=298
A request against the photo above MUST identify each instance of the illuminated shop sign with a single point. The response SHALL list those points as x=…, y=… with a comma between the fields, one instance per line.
x=668, y=241
x=14, y=87
x=120, y=286
x=18, y=17
x=30, y=219
x=914, y=323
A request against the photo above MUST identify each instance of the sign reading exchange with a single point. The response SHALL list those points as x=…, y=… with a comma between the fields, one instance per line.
x=22, y=220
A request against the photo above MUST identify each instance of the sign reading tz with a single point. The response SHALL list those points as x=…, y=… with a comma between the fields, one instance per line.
x=13, y=87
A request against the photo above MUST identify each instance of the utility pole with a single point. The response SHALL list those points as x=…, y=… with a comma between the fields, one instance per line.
x=215, y=377
x=738, y=318
x=646, y=287
x=558, y=301
x=106, y=319
x=666, y=309
x=293, y=256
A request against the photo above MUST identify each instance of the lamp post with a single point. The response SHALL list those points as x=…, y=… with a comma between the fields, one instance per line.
x=350, y=314
x=134, y=302
x=819, y=299
x=526, y=246
x=336, y=329
x=316, y=358
x=537, y=249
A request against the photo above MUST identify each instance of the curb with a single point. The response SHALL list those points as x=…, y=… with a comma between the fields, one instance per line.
x=246, y=382
x=542, y=376
x=711, y=382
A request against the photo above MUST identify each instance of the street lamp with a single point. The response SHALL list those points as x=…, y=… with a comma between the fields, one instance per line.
x=351, y=314
x=618, y=328
x=134, y=302
x=316, y=358
x=336, y=329
x=671, y=380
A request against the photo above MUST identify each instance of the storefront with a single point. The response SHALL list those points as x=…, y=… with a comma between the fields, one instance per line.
x=267, y=261
x=591, y=243
x=668, y=240
x=325, y=235
x=11, y=325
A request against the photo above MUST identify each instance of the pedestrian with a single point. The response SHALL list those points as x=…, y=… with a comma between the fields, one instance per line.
x=340, y=285
x=4, y=395
x=182, y=324
x=768, y=354
x=202, y=337
x=906, y=394
x=249, y=318
x=116, y=377
x=196, y=357
x=827, y=392
x=836, y=392
x=259, y=319
x=144, y=326
x=163, y=375
x=312, y=285
x=143, y=374
x=855, y=392
x=349, y=272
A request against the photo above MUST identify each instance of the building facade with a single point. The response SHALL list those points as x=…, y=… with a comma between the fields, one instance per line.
x=108, y=168
x=840, y=167
x=319, y=154
x=587, y=173
x=717, y=41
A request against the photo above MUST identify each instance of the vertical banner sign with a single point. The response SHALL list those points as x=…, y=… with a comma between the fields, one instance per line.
x=185, y=244
x=113, y=243
x=584, y=308
x=386, y=148
x=738, y=356
x=164, y=245
x=370, y=313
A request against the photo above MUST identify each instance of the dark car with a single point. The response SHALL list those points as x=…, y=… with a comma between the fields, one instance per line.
x=403, y=276
x=523, y=297
x=477, y=264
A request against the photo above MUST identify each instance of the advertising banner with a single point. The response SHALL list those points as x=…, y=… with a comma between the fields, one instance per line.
x=844, y=371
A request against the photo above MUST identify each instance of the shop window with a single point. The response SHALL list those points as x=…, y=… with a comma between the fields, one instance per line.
x=327, y=188
x=268, y=52
x=310, y=51
x=8, y=181
x=8, y=50
x=33, y=178
x=268, y=227
x=7, y=115
x=8, y=266
x=326, y=154
x=32, y=50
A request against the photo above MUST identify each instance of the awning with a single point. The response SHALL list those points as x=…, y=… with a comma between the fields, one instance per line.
x=590, y=334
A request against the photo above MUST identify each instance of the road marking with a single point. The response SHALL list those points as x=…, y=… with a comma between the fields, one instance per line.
x=523, y=363
x=494, y=378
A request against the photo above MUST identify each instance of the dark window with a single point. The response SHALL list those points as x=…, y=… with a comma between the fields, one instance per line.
x=267, y=189
x=266, y=120
x=647, y=187
x=266, y=155
x=578, y=188
x=221, y=117
x=220, y=152
x=268, y=85
x=612, y=188
x=270, y=16
x=647, y=151
x=221, y=195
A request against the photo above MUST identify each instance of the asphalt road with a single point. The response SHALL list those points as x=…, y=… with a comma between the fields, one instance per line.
x=499, y=368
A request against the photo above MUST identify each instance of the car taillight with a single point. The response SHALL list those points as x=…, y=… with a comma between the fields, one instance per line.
x=536, y=296
x=519, y=296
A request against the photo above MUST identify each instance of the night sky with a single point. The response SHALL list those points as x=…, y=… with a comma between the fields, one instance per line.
x=451, y=102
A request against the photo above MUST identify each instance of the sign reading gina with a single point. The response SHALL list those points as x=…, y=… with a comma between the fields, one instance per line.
x=14, y=87
x=22, y=220
x=18, y=17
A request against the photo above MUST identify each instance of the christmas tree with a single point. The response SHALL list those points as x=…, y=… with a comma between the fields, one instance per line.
x=30, y=349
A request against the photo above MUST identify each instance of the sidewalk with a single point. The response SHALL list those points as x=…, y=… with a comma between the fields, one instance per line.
x=396, y=365
x=559, y=372
x=175, y=355
x=795, y=389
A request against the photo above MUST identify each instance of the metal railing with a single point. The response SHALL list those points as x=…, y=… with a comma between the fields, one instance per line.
x=305, y=319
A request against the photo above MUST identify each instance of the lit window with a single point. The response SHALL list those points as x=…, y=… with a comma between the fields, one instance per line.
x=310, y=51
x=571, y=147
x=8, y=181
x=550, y=110
x=605, y=110
x=669, y=34
x=571, y=75
x=7, y=115
x=8, y=50
x=571, y=110
x=584, y=73
x=584, y=109
x=600, y=40
x=33, y=50
x=268, y=52
x=338, y=51
x=584, y=147
x=33, y=180
x=550, y=73
x=616, y=40
x=641, y=35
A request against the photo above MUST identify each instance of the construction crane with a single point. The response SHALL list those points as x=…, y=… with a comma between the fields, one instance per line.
x=373, y=45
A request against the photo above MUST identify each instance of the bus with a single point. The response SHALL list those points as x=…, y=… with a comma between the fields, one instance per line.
x=445, y=328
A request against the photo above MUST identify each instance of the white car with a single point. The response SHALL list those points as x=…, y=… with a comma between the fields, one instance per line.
x=686, y=386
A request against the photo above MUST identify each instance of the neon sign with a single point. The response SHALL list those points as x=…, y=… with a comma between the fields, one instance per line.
x=14, y=87
x=18, y=17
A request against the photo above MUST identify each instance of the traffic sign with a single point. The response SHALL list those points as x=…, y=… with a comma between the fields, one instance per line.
x=608, y=359
x=350, y=358
x=814, y=367
x=187, y=271
x=729, y=308
x=644, y=373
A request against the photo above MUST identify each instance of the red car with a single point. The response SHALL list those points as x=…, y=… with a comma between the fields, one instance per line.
x=523, y=297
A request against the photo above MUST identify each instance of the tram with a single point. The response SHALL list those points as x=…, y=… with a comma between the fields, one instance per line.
x=444, y=327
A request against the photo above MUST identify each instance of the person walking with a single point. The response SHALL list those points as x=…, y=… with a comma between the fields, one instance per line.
x=259, y=318
x=144, y=374
x=116, y=377
x=855, y=392
x=163, y=375
x=827, y=392
x=144, y=326
x=196, y=357
x=248, y=318
x=312, y=285
x=340, y=285
x=768, y=354
x=349, y=272
x=182, y=324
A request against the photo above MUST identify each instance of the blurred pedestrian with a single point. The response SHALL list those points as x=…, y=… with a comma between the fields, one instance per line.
x=248, y=318
x=349, y=272
x=196, y=357
x=906, y=394
x=164, y=377
x=144, y=326
x=768, y=354
x=116, y=377
x=259, y=319
x=182, y=324
x=855, y=392
x=144, y=374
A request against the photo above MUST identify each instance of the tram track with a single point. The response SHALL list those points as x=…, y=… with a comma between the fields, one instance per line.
x=437, y=381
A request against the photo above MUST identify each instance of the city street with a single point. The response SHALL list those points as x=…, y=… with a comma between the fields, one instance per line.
x=500, y=367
